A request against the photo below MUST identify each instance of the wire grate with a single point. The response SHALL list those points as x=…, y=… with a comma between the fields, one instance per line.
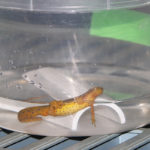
x=136, y=139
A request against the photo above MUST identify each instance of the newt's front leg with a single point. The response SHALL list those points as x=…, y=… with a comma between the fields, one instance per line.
x=93, y=115
x=89, y=98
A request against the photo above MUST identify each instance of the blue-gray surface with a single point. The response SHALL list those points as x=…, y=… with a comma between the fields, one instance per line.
x=15, y=141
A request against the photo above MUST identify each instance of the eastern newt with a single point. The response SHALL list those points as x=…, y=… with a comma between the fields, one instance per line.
x=62, y=108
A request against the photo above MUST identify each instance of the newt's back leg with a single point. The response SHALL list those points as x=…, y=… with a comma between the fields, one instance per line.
x=29, y=115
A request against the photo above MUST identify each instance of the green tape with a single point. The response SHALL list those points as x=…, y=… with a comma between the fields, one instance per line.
x=127, y=25
x=118, y=95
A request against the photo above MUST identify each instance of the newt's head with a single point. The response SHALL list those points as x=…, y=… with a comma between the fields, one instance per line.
x=94, y=92
x=90, y=96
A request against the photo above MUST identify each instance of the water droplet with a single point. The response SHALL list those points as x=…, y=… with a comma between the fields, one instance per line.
x=24, y=70
x=35, y=75
x=40, y=85
x=40, y=66
x=25, y=76
x=14, y=67
x=11, y=62
x=31, y=52
x=27, y=63
x=15, y=51
x=31, y=82
x=18, y=86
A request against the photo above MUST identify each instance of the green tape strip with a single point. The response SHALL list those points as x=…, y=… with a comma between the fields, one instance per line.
x=127, y=25
x=118, y=95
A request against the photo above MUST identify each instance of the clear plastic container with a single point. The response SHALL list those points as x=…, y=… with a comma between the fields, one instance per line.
x=70, y=5
x=62, y=48
x=70, y=35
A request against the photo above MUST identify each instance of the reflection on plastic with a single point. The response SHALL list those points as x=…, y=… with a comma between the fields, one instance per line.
x=59, y=83
x=70, y=5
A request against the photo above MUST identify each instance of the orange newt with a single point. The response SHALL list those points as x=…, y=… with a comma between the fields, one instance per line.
x=62, y=108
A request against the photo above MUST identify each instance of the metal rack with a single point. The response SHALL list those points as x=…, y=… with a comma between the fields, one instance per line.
x=136, y=139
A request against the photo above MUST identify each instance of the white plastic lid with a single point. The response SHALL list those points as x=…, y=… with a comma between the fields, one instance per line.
x=70, y=5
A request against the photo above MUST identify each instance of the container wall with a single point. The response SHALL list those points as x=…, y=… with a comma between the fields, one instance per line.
x=100, y=49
